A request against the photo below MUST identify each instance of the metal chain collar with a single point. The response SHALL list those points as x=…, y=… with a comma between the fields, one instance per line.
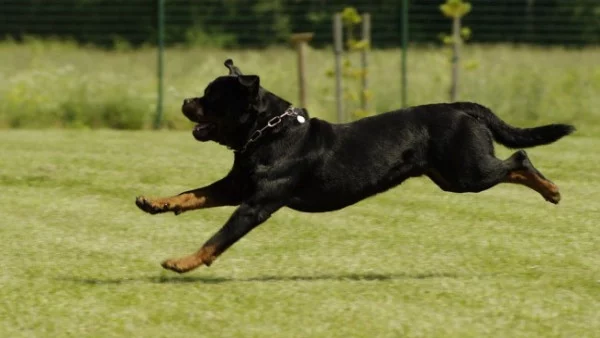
x=272, y=123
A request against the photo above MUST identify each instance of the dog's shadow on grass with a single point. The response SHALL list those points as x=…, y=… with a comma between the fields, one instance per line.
x=352, y=277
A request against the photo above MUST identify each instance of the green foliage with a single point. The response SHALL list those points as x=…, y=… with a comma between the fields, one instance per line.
x=63, y=95
x=196, y=36
x=350, y=16
x=455, y=8
x=353, y=92
x=49, y=84
x=120, y=44
x=465, y=33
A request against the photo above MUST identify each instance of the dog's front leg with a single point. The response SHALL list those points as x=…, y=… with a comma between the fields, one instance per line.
x=221, y=193
x=243, y=220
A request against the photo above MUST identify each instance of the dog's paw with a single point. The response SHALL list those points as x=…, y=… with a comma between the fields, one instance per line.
x=553, y=197
x=153, y=207
x=181, y=265
x=552, y=193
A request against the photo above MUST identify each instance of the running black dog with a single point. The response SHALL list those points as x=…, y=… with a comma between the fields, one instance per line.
x=284, y=159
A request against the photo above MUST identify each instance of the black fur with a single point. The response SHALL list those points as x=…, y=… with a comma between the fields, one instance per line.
x=318, y=166
x=516, y=137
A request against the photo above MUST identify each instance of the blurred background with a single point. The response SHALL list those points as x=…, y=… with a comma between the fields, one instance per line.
x=93, y=63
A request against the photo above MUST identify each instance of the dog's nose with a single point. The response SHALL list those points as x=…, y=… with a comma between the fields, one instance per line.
x=187, y=101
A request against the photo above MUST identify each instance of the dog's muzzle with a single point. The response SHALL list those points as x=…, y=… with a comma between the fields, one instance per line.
x=192, y=109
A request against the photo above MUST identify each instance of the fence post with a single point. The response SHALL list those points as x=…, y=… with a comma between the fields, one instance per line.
x=301, y=40
x=404, y=52
x=456, y=38
x=338, y=49
x=366, y=36
x=529, y=21
x=160, y=62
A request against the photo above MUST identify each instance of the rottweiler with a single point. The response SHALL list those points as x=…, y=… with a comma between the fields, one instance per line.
x=283, y=158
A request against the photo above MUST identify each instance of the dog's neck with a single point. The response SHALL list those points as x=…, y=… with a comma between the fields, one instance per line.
x=267, y=107
x=270, y=105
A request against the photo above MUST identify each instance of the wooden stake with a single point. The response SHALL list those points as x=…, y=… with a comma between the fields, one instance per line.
x=300, y=40
x=366, y=36
x=456, y=44
x=338, y=50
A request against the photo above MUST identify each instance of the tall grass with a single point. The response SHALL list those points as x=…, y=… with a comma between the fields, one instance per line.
x=60, y=84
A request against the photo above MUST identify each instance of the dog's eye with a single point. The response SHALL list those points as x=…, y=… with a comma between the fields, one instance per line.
x=211, y=98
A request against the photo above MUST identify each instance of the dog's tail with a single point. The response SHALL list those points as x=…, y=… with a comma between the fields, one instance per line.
x=514, y=137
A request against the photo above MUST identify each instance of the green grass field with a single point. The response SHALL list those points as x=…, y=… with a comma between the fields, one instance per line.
x=79, y=259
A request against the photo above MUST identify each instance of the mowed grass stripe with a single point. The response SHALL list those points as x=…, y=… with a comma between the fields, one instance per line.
x=79, y=259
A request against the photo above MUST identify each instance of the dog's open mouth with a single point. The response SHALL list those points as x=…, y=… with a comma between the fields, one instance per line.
x=202, y=131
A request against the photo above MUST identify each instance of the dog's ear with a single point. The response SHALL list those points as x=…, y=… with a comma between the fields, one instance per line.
x=251, y=82
x=233, y=70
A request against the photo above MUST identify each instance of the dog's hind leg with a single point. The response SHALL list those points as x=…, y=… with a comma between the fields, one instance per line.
x=526, y=174
x=470, y=173
x=465, y=162
x=488, y=171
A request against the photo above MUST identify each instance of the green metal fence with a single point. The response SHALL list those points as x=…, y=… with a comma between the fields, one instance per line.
x=258, y=23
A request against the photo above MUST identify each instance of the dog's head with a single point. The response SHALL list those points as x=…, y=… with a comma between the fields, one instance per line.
x=228, y=108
